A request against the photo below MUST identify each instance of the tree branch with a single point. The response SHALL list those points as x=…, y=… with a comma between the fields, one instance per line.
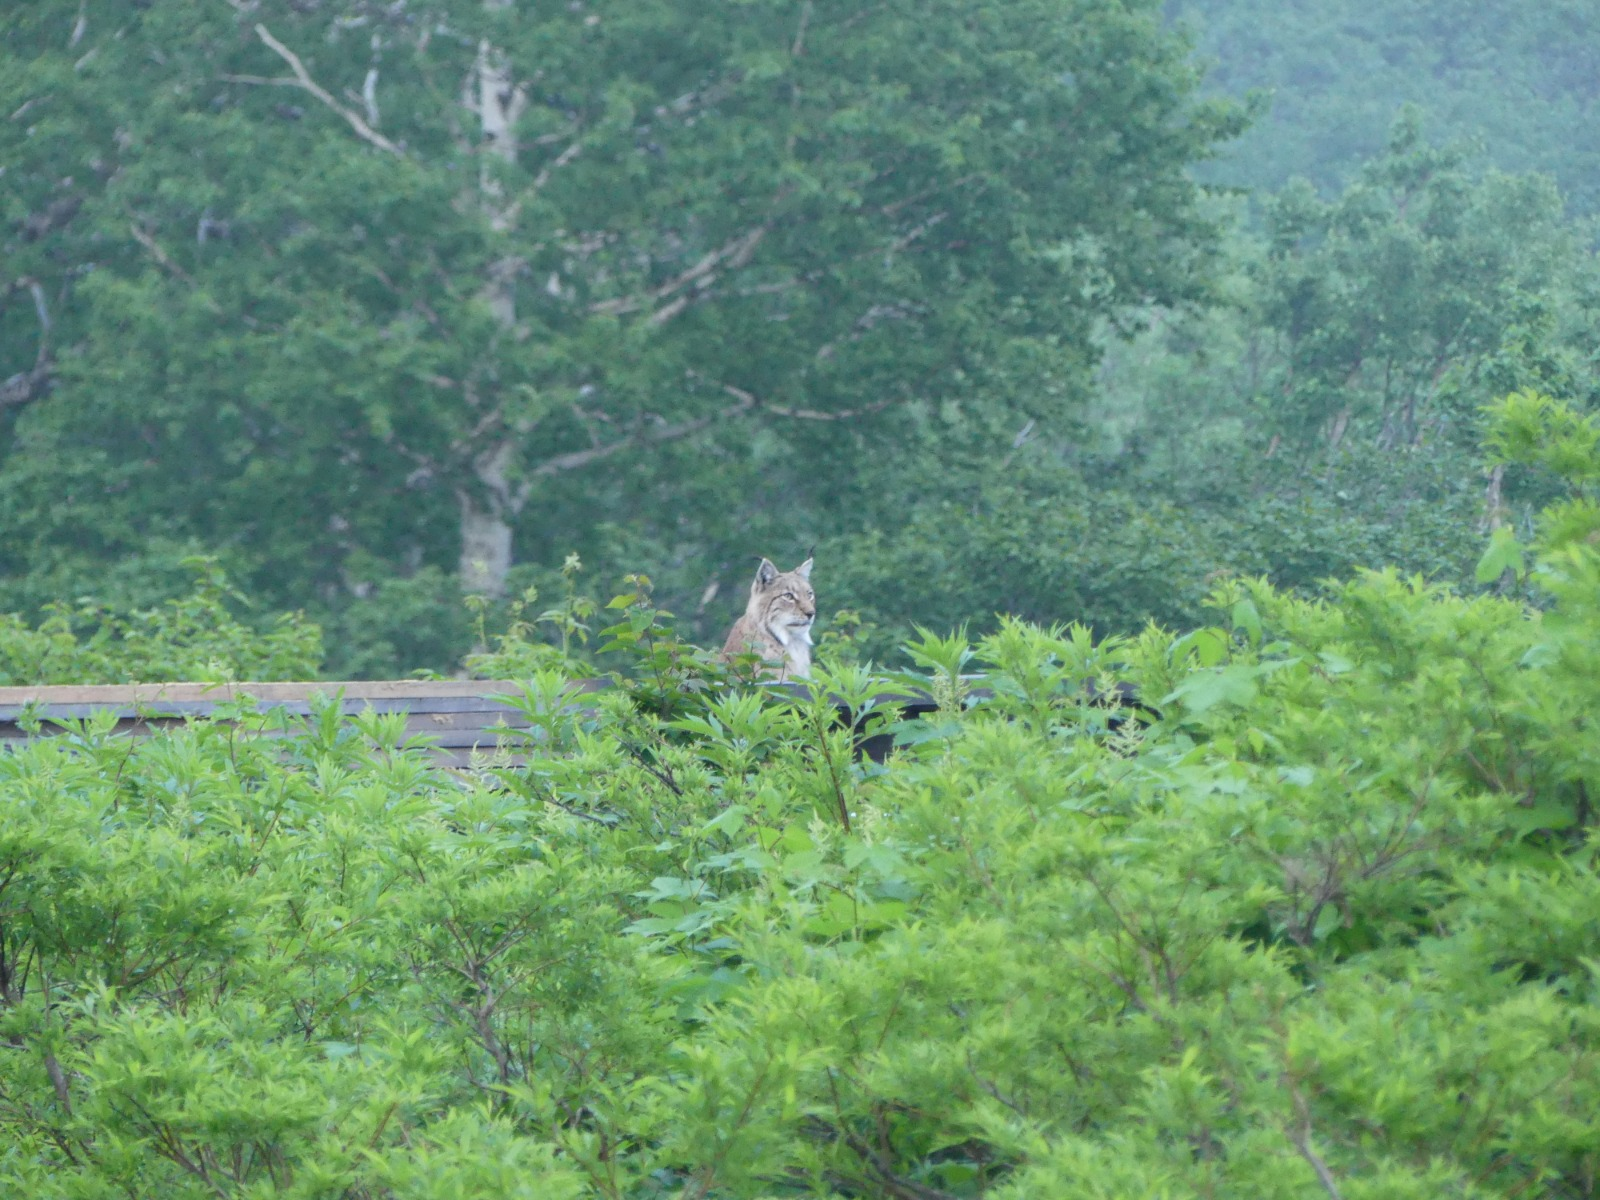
x=733, y=254
x=1301, y=1138
x=799, y=46
x=659, y=432
x=160, y=255
x=303, y=80
x=561, y=160
x=165, y=261
x=25, y=386
x=644, y=436
x=796, y=414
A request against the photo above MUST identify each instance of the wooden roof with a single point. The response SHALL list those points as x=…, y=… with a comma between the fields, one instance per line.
x=457, y=716
x=460, y=720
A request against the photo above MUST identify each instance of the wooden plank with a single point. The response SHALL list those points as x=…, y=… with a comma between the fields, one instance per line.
x=487, y=738
x=456, y=715
x=204, y=708
x=129, y=695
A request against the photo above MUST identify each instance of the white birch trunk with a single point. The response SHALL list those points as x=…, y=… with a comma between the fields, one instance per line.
x=489, y=510
x=486, y=517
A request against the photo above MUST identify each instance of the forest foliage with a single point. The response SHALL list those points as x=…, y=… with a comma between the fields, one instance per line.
x=378, y=306
x=1318, y=918
x=424, y=323
x=1523, y=80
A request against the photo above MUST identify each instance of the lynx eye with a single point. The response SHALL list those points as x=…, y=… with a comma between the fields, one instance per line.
x=788, y=595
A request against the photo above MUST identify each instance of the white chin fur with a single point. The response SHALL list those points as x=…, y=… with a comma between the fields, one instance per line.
x=798, y=633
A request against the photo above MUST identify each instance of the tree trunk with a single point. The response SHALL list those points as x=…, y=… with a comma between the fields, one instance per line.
x=1494, y=506
x=485, y=548
x=489, y=508
x=487, y=512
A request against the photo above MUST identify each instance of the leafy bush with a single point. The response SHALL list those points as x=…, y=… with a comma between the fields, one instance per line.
x=1325, y=923
x=193, y=637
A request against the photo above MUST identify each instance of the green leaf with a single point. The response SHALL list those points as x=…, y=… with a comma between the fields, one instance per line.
x=1503, y=554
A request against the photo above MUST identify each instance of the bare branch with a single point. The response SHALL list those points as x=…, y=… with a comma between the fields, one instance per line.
x=1301, y=1137
x=511, y=214
x=799, y=46
x=58, y=1080
x=42, y=311
x=160, y=255
x=164, y=260
x=561, y=160
x=667, y=311
x=27, y=105
x=654, y=432
x=646, y=435
x=25, y=386
x=797, y=414
x=911, y=235
x=733, y=254
x=81, y=26
x=303, y=79
x=369, y=95
x=895, y=206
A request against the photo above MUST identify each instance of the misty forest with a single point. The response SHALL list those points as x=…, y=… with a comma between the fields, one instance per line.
x=1193, y=405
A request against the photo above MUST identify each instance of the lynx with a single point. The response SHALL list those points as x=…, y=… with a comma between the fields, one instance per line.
x=777, y=621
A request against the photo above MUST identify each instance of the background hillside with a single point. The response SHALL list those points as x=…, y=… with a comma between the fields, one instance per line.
x=1522, y=79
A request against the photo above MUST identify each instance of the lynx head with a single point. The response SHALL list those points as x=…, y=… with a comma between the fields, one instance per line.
x=782, y=601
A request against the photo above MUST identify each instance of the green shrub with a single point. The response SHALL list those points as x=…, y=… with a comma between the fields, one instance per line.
x=194, y=637
x=1325, y=925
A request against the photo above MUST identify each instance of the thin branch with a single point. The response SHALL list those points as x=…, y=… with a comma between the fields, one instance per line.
x=561, y=160
x=644, y=436
x=302, y=78
x=911, y=235
x=895, y=206
x=160, y=255
x=42, y=311
x=511, y=214
x=165, y=260
x=1301, y=1137
x=26, y=106
x=799, y=46
x=58, y=1080
x=369, y=95
x=733, y=254
x=654, y=434
x=797, y=414
x=26, y=386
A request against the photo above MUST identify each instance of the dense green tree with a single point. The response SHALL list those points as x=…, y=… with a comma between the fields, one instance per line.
x=1400, y=296
x=343, y=291
x=1326, y=415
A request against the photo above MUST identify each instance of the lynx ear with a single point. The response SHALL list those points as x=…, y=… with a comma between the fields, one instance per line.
x=765, y=574
x=804, y=569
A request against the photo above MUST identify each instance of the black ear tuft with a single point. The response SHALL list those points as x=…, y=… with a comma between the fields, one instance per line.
x=765, y=574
